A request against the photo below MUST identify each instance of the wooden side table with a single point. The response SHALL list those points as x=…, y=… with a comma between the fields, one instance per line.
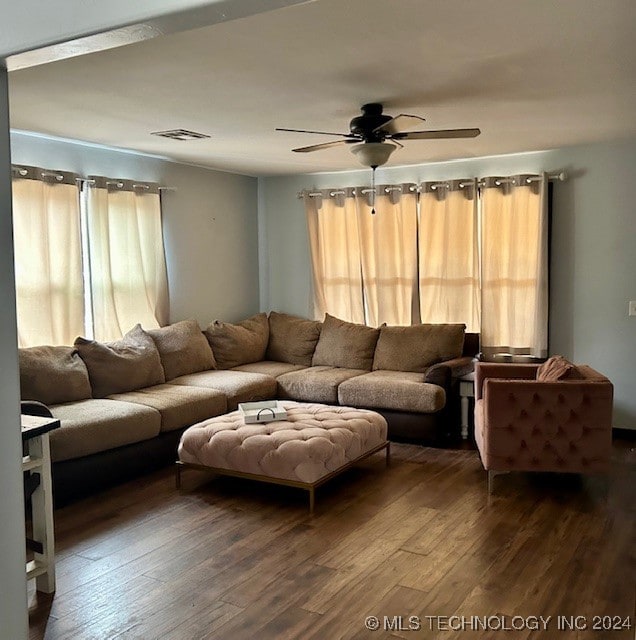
x=37, y=461
x=466, y=391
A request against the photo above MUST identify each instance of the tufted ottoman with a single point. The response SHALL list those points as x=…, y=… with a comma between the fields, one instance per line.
x=315, y=443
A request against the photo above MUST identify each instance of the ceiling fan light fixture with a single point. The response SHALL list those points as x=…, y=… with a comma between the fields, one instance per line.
x=373, y=154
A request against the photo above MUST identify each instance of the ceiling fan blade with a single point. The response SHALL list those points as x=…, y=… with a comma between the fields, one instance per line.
x=436, y=135
x=324, y=145
x=322, y=133
x=399, y=123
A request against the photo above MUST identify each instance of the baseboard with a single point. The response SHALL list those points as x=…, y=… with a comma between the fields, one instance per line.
x=624, y=434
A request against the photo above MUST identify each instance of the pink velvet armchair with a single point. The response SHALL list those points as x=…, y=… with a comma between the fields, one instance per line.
x=522, y=424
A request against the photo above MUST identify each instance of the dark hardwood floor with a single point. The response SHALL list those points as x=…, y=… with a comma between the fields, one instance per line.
x=233, y=559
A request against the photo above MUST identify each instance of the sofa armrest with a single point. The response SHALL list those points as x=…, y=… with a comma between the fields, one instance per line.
x=35, y=408
x=458, y=366
x=443, y=373
x=507, y=371
x=440, y=375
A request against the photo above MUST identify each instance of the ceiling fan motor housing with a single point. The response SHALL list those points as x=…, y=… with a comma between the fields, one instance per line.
x=371, y=118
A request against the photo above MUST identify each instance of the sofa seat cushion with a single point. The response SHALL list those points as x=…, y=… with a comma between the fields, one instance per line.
x=179, y=406
x=238, y=386
x=270, y=368
x=397, y=390
x=316, y=384
x=91, y=426
x=312, y=442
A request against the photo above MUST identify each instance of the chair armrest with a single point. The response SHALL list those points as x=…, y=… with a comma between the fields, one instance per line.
x=528, y=405
x=508, y=371
x=561, y=426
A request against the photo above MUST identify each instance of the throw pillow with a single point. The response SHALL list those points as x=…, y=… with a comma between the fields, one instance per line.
x=183, y=349
x=557, y=368
x=418, y=347
x=124, y=365
x=345, y=344
x=292, y=339
x=236, y=344
x=53, y=375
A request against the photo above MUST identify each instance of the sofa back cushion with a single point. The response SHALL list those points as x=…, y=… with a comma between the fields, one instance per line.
x=124, y=365
x=53, y=375
x=292, y=339
x=418, y=347
x=183, y=349
x=237, y=344
x=557, y=368
x=345, y=344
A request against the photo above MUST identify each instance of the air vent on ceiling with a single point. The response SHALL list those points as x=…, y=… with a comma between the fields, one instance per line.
x=180, y=134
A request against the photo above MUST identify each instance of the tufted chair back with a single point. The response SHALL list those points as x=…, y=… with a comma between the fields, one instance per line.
x=522, y=424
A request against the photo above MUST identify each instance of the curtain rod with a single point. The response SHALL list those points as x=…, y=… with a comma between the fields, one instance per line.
x=120, y=184
x=560, y=176
x=22, y=171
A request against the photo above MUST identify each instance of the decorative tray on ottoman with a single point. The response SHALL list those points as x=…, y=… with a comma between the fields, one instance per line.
x=266, y=411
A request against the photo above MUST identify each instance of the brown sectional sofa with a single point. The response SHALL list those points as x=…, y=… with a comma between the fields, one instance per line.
x=124, y=405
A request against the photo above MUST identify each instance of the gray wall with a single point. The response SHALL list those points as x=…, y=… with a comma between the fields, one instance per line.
x=13, y=609
x=593, y=266
x=210, y=223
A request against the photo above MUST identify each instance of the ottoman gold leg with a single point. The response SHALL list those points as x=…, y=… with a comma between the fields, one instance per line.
x=312, y=500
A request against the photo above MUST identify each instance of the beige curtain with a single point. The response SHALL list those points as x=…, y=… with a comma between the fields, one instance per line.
x=48, y=259
x=334, y=241
x=127, y=260
x=448, y=253
x=514, y=265
x=388, y=241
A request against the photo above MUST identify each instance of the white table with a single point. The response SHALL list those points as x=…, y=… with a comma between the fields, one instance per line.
x=37, y=460
x=466, y=391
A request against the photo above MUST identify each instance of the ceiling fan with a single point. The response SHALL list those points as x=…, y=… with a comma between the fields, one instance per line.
x=370, y=132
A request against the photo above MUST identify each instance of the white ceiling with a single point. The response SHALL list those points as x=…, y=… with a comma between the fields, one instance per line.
x=532, y=74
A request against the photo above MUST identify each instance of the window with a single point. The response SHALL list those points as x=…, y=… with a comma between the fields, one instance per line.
x=364, y=264
x=388, y=243
x=48, y=257
x=335, y=252
x=460, y=251
x=127, y=266
x=449, y=253
x=89, y=261
x=514, y=266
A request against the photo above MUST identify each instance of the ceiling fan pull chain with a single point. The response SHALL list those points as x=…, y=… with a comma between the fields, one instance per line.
x=373, y=191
